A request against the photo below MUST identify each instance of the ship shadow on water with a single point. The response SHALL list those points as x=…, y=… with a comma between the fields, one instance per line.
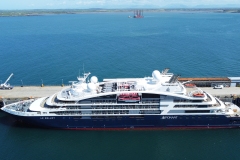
x=6, y=119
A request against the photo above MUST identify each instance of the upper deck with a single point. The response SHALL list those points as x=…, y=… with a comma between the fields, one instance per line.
x=159, y=82
x=128, y=89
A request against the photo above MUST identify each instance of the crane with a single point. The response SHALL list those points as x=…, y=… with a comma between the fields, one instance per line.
x=6, y=85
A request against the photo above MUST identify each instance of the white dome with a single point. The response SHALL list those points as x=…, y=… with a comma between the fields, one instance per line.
x=94, y=79
x=156, y=75
x=91, y=87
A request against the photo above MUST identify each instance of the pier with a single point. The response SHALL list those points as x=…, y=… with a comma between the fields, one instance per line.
x=23, y=93
x=30, y=92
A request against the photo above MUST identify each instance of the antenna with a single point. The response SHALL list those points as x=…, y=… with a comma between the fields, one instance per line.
x=165, y=71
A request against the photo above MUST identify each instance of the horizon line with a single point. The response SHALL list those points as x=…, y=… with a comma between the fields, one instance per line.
x=187, y=8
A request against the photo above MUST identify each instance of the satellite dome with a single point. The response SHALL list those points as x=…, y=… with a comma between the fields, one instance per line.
x=91, y=87
x=156, y=75
x=94, y=79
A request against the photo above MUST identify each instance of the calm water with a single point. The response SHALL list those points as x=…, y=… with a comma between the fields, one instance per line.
x=110, y=45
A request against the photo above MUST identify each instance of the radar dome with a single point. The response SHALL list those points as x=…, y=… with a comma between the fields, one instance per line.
x=91, y=87
x=94, y=79
x=156, y=75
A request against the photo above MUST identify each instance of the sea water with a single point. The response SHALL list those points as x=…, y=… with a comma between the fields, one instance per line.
x=57, y=48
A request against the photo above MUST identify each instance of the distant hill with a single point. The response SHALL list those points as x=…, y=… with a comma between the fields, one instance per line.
x=176, y=6
x=170, y=8
x=218, y=6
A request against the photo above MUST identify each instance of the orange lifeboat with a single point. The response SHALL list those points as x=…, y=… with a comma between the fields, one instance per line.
x=198, y=95
x=190, y=85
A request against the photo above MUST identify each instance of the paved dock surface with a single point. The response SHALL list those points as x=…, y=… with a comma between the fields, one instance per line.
x=31, y=91
x=222, y=92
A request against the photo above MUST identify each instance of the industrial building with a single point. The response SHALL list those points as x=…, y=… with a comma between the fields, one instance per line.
x=213, y=81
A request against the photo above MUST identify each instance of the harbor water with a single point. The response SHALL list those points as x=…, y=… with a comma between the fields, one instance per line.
x=55, y=49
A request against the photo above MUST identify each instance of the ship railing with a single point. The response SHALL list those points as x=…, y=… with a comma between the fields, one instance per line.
x=113, y=109
x=181, y=87
x=117, y=113
x=54, y=98
x=147, y=102
x=107, y=113
x=116, y=109
x=209, y=99
x=43, y=103
x=124, y=103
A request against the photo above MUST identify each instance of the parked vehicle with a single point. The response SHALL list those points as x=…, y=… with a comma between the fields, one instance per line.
x=218, y=87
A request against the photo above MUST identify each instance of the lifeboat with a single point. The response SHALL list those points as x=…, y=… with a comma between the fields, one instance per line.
x=190, y=85
x=129, y=97
x=198, y=95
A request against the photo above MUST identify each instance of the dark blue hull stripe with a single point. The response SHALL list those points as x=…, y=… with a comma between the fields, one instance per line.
x=151, y=121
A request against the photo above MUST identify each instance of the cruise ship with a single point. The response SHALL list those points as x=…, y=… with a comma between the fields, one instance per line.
x=159, y=101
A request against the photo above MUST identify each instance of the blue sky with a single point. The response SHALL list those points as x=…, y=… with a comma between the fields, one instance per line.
x=84, y=4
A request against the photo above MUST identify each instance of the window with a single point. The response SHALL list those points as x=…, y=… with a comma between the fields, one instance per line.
x=197, y=111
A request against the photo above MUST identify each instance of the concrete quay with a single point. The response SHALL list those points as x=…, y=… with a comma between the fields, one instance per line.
x=30, y=91
x=34, y=91
x=226, y=91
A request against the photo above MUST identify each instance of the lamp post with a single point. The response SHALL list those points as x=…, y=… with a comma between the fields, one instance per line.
x=42, y=83
x=22, y=83
x=62, y=83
